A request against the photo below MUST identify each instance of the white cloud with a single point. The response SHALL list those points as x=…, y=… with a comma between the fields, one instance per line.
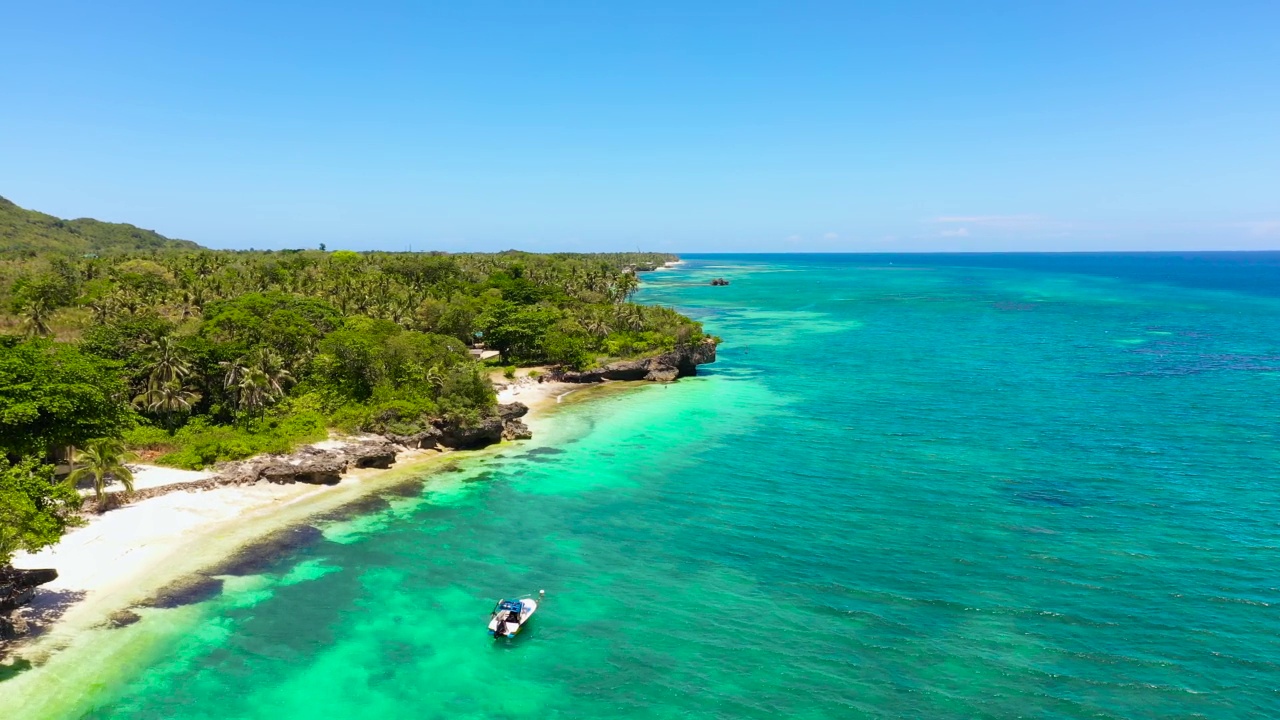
x=1261, y=228
x=957, y=232
x=831, y=236
x=1005, y=222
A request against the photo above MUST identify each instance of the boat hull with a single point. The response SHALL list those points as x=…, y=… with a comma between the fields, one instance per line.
x=511, y=626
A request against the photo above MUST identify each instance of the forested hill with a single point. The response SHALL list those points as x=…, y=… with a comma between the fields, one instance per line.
x=26, y=233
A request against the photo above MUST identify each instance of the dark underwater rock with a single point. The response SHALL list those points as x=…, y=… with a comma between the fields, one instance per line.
x=263, y=554
x=122, y=618
x=187, y=591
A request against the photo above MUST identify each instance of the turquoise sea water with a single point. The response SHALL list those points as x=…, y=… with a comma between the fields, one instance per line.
x=911, y=487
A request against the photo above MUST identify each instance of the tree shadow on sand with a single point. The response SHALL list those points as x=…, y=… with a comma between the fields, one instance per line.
x=45, y=609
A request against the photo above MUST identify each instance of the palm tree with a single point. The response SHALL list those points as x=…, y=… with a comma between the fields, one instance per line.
x=626, y=285
x=186, y=306
x=631, y=317
x=233, y=371
x=434, y=378
x=126, y=300
x=256, y=380
x=598, y=325
x=253, y=392
x=104, y=308
x=35, y=316
x=102, y=458
x=167, y=400
x=170, y=362
x=271, y=365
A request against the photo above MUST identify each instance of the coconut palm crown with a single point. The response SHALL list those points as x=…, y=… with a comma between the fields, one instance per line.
x=101, y=459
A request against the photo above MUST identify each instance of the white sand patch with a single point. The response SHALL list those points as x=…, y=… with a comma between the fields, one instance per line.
x=149, y=476
x=536, y=395
x=339, y=442
x=114, y=548
x=122, y=556
x=146, y=476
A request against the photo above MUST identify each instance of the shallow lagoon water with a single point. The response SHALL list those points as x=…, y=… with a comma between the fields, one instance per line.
x=908, y=489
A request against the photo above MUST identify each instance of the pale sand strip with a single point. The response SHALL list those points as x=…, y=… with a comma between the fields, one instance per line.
x=124, y=556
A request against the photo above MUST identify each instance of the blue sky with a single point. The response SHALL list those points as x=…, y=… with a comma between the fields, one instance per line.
x=682, y=126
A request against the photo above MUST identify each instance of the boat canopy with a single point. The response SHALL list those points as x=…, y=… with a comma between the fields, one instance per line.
x=512, y=605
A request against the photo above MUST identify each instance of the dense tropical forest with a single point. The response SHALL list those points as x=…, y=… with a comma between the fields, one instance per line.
x=191, y=356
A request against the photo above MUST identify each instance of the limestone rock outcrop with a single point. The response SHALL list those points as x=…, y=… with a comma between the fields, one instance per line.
x=469, y=437
x=515, y=430
x=380, y=455
x=680, y=362
x=512, y=410
x=428, y=438
x=320, y=468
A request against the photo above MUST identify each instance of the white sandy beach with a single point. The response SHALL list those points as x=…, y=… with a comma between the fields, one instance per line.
x=538, y=396
x=146, y=477
x=123, y=556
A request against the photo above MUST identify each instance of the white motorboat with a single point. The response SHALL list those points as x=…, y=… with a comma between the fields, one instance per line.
x=509, y=616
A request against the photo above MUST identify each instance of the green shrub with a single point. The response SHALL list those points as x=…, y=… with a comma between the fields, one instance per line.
x=148, y=437
x=199, y=444
x=350, y=418
x=509, y=372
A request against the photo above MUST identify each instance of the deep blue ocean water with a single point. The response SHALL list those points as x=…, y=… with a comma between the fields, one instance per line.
x=913, y=486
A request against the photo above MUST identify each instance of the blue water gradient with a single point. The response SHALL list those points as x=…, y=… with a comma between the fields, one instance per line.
x=917, y=487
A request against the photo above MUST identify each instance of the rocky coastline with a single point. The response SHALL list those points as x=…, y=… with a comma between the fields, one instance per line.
x=326, y=463
x=683, y=361
x=326, y=466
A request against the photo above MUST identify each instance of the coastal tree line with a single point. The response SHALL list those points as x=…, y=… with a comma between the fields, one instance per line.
x=193, y=357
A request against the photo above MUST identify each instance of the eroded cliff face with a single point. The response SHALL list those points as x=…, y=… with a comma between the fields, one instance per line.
x=680, y=362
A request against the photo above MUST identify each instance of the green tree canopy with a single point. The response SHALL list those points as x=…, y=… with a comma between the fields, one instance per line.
x=34, y=510
x=368, y=353
x=52, y=394
x=517, y=331
x=290, y=324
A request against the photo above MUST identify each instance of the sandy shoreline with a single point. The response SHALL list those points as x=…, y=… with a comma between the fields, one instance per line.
x=123, y=557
